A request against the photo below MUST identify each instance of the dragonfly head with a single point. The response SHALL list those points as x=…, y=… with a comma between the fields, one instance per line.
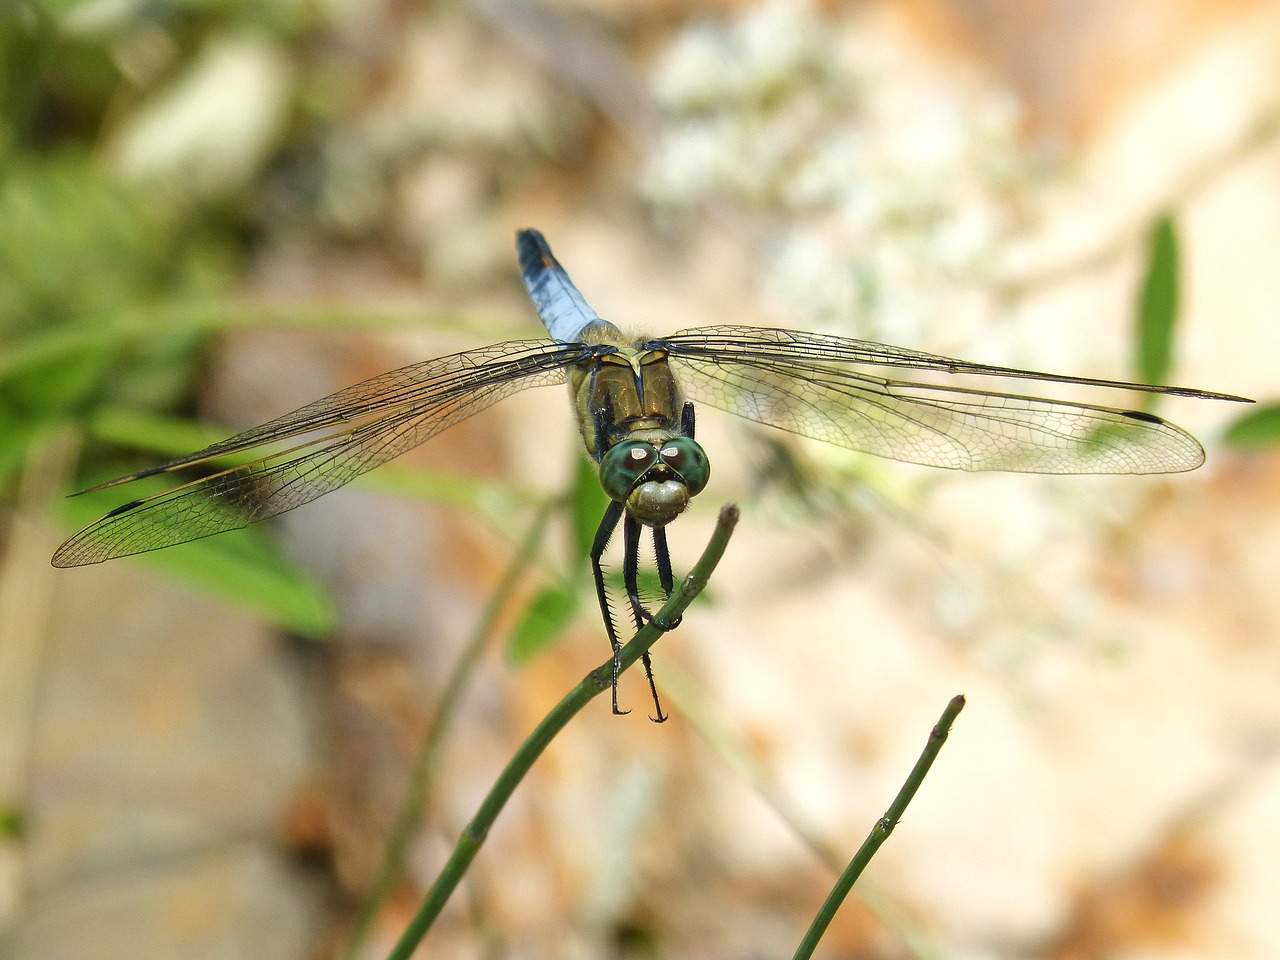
x=656, y=482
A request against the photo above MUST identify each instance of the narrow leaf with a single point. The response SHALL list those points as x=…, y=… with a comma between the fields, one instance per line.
x=17, y=436
x=543, y=622
x=150, y=432
x=1158, y=303
x=1258, y=429
x=13, y=823
x=241, y=568
x=588, y=502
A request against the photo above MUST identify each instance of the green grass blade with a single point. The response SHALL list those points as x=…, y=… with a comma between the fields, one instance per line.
x=155, y=433
x=543, y=622
x=240, y=568
x=1256, y=430
x=587, y=504
x=1158, y=303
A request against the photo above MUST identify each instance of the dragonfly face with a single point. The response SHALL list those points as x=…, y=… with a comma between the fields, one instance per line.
x=655, y=481
x=632, y=398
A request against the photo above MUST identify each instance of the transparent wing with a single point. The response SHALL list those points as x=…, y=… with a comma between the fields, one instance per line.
x=327, y=443
x=835, y=389
x=564, y=311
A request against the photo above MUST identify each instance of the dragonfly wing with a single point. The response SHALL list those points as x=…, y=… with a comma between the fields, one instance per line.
x=835, y=389
x=564, y=311
x=326, y=444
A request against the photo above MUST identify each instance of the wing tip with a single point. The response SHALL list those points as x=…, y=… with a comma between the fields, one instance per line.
x=129, y=478
x=1195, y=394
x=70, y=555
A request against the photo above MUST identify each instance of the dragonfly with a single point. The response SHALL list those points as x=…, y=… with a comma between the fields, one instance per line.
x=633, y=398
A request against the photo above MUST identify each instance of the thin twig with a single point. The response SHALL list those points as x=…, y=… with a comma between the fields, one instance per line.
x=880, y=832
x=733, y=751
x=592, y=685
x=398, y=846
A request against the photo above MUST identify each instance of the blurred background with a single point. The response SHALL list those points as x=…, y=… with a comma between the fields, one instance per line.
x=213, y=211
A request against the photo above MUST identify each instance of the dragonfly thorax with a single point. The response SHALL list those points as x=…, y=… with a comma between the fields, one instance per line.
x=624, y=391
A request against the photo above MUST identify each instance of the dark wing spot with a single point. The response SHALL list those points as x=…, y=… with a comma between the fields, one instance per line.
x=123, y=508
x=1144, y=417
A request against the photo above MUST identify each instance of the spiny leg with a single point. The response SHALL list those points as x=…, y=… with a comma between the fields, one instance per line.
x=663, y=559
x=608, y=523
x=686, y=419
x=630, y=574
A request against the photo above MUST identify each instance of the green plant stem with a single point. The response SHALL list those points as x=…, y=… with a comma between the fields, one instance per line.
x=592, y=685
x=880, y=832
x=397, y=847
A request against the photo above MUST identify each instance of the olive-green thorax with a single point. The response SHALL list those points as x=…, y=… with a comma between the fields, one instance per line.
x=627, y=393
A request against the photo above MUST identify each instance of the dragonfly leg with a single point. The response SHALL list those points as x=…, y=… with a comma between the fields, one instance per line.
x=608, y=524
x=663, y=559
x=686, y=422
x=630, y=574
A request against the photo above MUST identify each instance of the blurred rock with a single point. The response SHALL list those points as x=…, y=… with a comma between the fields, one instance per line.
x=171, y=735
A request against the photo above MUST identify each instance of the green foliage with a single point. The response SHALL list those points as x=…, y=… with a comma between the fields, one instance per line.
x=17, y=436
x=553, y=609
x=587, y=504
x=156, y=434
x=1257, y=429
x=13, y=823
x=544, y=621
x=75, y=251
x=109, y=289
x=240, y=567
x=1158, y=303
x=74, y=245
x=501, y=503
x=92, y=269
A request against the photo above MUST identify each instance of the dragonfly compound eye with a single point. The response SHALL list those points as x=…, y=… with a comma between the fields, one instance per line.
x=689, y=461
x=624, y=465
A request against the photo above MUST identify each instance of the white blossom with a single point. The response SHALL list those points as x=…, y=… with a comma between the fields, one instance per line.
x=881, y=191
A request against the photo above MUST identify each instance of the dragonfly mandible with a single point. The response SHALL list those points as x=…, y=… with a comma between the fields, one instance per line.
x=633, y=398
